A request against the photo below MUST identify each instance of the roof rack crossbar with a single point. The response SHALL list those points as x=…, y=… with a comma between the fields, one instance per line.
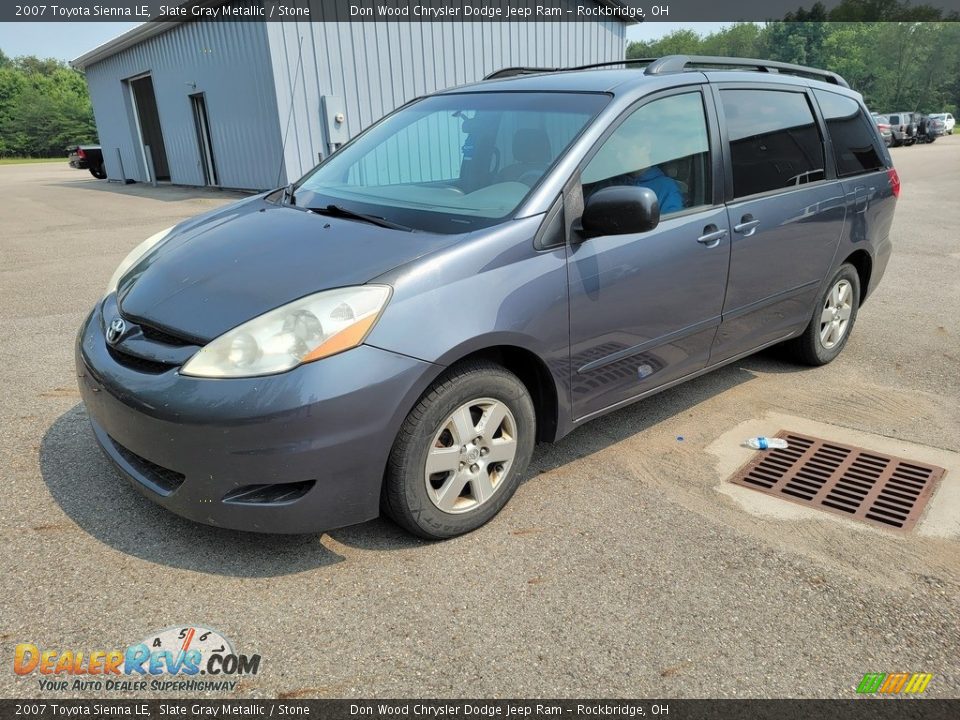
x=681, y=63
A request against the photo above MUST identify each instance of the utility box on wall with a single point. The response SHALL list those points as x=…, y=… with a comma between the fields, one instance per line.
x=333, y=110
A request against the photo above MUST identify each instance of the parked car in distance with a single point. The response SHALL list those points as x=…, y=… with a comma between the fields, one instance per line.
x=88, y=157
x=931, y=127
x=903, y=128
x=948, y=121
x=883, y=125
x=487, y=267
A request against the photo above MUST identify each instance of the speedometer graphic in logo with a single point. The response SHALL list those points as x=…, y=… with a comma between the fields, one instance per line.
x=176, y=640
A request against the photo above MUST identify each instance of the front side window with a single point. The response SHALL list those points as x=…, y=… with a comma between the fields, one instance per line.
x=452, y=163
x=662, y=146
x=774, y=141
x=853, y=140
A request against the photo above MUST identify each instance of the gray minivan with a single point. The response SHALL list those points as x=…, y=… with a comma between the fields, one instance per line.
x=485, y=268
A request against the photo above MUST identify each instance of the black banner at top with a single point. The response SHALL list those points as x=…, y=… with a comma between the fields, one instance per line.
x=629, y=11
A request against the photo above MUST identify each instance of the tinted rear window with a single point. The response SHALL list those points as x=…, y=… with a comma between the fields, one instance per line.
x=854, y=140
x=774, y=141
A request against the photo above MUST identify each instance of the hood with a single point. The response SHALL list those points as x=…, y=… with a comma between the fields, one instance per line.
x=229, y=266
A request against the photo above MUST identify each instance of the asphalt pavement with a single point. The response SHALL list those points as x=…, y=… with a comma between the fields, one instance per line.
x=624, y=566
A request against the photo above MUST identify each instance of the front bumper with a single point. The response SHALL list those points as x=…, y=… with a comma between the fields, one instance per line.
x=324, y=430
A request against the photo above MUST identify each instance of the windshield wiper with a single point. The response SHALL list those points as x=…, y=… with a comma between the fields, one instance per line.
x=340, y=211
x=288, y=197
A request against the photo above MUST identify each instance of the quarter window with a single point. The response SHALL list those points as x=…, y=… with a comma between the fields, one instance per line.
x=774, y=141
x=663, y=146
x=853, y=139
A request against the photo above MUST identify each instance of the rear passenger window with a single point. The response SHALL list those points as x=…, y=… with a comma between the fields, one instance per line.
x=853, y=139
x=774, y=141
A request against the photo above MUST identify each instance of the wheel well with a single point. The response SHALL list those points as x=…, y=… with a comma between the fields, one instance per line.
x=862, y=261
x=535, y=375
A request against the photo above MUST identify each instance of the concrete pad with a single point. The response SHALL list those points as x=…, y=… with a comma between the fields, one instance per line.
x=940, y=519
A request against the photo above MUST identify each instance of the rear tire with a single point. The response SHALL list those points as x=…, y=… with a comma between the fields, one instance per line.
x=474, y=428
x=99, y=172
x=832, y=321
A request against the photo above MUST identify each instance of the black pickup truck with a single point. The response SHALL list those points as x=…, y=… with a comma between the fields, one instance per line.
x=88, y=157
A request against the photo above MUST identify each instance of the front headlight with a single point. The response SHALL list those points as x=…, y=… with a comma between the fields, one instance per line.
x=305, y=330
x=131, y=259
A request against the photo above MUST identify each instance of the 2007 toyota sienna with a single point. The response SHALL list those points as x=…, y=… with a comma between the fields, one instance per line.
x=485, y=268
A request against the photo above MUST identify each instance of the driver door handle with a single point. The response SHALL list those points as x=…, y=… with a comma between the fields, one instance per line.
x=712, y=236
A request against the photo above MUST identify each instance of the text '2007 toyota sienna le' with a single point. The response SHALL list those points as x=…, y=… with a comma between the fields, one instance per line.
x=484, y=268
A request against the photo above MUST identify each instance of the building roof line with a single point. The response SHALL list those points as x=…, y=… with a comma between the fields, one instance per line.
x=153, y=28
x=123, y=41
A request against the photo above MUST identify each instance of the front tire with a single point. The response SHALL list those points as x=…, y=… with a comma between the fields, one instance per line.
x=461, y=452
x=832, y=321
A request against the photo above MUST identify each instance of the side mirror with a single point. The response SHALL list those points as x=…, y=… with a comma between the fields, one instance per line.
x=620, y=210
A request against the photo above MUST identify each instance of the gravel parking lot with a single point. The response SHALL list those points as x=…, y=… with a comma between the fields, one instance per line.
x=624, y=566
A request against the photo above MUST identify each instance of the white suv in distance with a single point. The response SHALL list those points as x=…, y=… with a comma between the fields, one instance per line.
x=948, y=121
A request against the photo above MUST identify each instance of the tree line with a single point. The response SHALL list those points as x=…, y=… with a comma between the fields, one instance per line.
x=903, y=64
x=44, y=107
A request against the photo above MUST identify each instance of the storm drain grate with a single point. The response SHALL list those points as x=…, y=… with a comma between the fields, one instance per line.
x=844, y=479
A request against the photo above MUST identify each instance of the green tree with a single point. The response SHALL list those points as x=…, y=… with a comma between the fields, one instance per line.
x=900, y=64
x=799, y=37
x=737, y=40
x=44, y=107
x=679, y=42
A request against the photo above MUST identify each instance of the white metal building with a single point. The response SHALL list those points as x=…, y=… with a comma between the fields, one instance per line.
x=210, y=103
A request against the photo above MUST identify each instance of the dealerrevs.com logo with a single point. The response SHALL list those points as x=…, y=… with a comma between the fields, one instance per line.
x=188, y=658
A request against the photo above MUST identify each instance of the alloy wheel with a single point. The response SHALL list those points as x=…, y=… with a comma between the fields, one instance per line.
x=471, y=454
x=835, y=316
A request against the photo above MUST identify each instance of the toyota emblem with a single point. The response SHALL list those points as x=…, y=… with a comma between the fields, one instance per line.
x=116, y=330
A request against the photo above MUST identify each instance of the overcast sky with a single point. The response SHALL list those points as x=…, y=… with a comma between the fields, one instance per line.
x=69, y=40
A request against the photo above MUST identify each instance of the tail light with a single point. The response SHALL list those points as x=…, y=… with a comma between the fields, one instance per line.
x=883, y=127
x=894, y=181
x=81, y=153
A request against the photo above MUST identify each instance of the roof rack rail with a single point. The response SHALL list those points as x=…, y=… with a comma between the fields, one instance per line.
x=681, y=63
x=514, y=71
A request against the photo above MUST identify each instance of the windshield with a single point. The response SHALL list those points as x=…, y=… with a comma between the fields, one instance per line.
x=451, y=163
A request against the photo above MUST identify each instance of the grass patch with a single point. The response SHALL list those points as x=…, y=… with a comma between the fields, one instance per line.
x=26, y=160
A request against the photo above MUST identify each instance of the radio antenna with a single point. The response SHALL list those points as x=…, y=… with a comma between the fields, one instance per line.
x=293, y=90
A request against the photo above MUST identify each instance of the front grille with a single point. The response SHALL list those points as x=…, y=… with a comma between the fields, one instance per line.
x=161, y=336
x=276, y=494
x=162, y=480
x=135, y=362
x=844, y=479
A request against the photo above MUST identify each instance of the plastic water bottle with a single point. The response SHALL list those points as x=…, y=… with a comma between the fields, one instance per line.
x=764, y=443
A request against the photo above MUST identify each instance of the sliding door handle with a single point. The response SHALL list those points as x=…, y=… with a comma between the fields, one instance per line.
x=748, y=224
